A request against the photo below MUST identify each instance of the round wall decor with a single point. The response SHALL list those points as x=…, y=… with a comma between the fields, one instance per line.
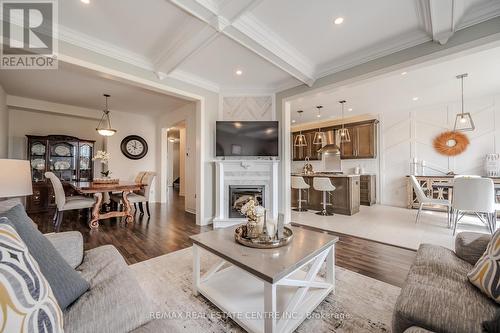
x=134, y=147
x=451, y=143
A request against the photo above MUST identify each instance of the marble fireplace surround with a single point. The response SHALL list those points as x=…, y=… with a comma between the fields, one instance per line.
x=244, y=172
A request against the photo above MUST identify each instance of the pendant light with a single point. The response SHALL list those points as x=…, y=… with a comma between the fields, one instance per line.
x=344, y=132
x=463, y=121
x=319, y=137
x=300, y=140
x=104, y=127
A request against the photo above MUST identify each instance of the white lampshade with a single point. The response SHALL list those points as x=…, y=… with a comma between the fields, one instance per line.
x=15, y=178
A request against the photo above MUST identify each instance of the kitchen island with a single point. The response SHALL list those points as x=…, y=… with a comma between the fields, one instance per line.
x=345, y=199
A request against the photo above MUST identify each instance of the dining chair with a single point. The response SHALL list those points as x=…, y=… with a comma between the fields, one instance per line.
x=477, y=196
x=64, y=203
x=425, y=200
x=142, y=196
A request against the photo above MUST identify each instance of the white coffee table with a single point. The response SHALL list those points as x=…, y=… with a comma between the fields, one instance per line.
x=266, y=290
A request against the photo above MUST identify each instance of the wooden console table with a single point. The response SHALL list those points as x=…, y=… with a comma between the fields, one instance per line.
x=98, y=189
x=437, y=187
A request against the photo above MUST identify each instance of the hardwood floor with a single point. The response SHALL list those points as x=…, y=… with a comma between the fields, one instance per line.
x=169, y=227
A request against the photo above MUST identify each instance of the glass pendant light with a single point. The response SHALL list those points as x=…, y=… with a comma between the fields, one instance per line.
x=344, y=132
x=300, y=140
x=463, y=121
x=319, y=137
x=104, y=127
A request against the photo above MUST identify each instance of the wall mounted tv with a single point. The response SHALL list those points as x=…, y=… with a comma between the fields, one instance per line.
x=247, y=138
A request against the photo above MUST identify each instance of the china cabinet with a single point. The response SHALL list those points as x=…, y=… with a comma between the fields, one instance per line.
x=68, y=157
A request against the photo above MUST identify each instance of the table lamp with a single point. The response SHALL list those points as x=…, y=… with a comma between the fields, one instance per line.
x=15, y=178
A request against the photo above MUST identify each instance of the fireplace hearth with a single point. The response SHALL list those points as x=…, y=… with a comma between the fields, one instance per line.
x=240, y=194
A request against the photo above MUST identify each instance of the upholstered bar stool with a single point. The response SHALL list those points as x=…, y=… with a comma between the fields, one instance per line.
x=325, y=185
x=300, y=184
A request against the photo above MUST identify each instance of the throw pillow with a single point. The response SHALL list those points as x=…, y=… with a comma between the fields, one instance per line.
x=486, y=273
x=66, y=283
x=27, y=301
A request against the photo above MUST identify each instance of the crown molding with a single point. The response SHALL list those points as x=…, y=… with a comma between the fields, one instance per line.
x=194, y=80
x=479, y=14
x=98, y=46
x=373, y=52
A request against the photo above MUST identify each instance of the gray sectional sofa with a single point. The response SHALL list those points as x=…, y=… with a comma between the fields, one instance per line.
x=437, y=296
x=115, y=302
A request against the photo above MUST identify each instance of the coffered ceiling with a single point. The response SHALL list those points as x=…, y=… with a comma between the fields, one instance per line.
x=276, y=44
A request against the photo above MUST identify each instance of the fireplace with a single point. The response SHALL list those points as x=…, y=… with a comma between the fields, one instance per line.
x=240, y=194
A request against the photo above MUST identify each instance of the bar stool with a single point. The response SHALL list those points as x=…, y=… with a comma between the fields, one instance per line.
x=325, y=185
x=300, y=184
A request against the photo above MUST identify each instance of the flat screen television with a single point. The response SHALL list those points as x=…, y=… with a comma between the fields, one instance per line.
x=247, y=138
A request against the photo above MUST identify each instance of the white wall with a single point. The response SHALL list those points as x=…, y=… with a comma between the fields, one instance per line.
x=186, y=115
x=4, y=124
x=25, y=122
x=408, y=134
x=53, y=118
x=122, y=167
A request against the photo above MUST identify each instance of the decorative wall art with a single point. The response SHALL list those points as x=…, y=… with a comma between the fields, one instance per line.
x=451, y=143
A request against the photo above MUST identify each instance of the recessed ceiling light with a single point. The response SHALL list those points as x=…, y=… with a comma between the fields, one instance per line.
x=293, y=120
x=404, y=73
x=350, y=109
x=239, y=72
x=415, y=98
x=85, y=1
x=319, y=116
x=338, y=20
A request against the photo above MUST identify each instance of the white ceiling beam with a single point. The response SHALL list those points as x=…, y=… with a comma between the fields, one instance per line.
x=233, y=20
x=440, y=18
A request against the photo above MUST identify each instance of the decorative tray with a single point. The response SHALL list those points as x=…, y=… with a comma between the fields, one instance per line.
x=106, y=181
x=259, y=243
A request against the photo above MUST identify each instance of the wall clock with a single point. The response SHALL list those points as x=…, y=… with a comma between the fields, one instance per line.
x=134, y=147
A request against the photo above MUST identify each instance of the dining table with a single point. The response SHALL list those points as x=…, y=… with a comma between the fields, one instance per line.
x=98, y=189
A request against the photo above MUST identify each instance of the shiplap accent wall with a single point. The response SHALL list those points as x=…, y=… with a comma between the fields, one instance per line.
x=409, y=134
x=247, y=108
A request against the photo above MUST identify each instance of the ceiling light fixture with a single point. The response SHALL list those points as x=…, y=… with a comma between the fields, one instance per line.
x=104, y=127
x=344, y=132
x=415, y=99
x=300, y=139
x=319, y=137
x=239, y=72
x=319, y=107
x=293, y=121
x=85, y=1
x=338, y=20
x=404, y=73
x=463, y=121
x=350, y=109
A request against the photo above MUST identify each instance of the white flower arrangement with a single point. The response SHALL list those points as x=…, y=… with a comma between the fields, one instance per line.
x=102, y=156
x=252, y=210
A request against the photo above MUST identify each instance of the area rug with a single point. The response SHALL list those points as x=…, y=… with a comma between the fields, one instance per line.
x=359, y=304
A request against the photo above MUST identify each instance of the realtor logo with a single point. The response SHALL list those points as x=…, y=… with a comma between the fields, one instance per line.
x=29, y=34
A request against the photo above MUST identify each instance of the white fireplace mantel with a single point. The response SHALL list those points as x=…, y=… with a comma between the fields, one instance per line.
x=244, y=172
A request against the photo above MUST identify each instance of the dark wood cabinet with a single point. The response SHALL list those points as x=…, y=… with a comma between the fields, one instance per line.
x=367, y=190
x=363, y=142
x=68, y=157
x=310, y=150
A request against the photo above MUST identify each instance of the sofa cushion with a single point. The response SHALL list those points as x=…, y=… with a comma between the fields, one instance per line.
x=114, y=303
x=470, y=246
x=69, y=244
x=438, y=297
x=27, y=301
x=486, y=273
x=65, y=282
